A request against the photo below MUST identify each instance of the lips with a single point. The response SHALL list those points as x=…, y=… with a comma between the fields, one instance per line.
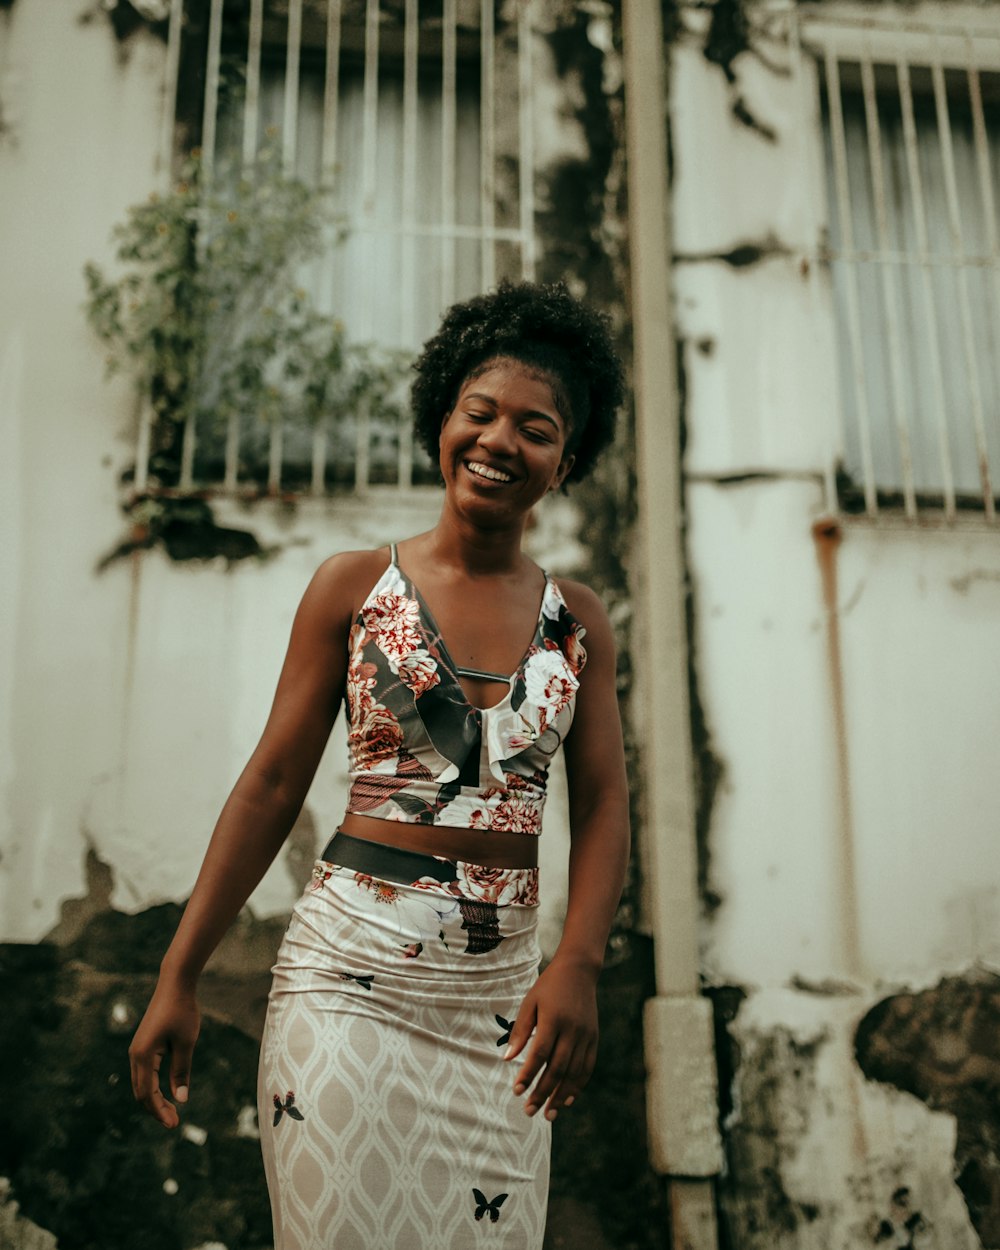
x=486, y=472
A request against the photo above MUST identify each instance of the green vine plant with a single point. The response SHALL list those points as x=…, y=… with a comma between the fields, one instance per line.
x=210, y=317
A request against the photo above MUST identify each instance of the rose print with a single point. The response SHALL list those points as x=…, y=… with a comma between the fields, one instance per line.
x=378, y=737
x=418, y=670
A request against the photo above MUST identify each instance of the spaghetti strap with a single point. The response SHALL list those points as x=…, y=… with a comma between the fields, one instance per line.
x=392, y=554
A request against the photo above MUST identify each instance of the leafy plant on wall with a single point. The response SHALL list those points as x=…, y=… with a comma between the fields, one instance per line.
x=210, y=316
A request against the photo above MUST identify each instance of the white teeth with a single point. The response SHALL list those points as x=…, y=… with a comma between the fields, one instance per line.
x=482, y=470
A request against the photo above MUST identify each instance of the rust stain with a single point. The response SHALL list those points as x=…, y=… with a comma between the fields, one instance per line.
x=827, y=535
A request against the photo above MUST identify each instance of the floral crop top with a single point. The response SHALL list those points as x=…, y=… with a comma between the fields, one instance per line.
x=419, y=751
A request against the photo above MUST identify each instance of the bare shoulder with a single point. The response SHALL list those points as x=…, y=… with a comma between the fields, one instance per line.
x=342, y=583
x=586, y=606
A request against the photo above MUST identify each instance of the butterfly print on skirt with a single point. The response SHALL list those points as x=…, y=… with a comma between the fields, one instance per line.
x=483, y=1205
x=506, y=1025
x=288, y=1106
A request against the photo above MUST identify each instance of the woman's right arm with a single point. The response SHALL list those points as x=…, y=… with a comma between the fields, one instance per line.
x=254, y=823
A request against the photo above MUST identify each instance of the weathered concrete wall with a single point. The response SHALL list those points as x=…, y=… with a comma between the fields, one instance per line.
x=845, y=676
x=131, y=694
x=134, y=695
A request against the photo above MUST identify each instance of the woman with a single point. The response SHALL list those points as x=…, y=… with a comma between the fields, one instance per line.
x=392, y=1114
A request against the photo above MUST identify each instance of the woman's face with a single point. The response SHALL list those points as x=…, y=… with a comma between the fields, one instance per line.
x=503, y=445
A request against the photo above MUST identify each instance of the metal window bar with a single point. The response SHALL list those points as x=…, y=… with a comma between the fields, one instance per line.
x=526, y=111
x=932, y=335
x=959, y=252
x=144, y=431
x=931, y=251
x=889, y=295
x=487, y=155
x=190, y=436
x=408, y=270
x=853, y=297
x=454, y=226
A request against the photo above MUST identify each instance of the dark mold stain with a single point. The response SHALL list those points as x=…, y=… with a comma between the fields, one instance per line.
x=942, y=1045
x=186, y=529
x=125, y=20
x=742, y=255
x=851, y=498
x=88, y=1165
x=902, y=1225
x=575, y=202
x=84, y=1161
x=709, y=769
x=728, y=38
x=769, y=1078
x=600, y=1165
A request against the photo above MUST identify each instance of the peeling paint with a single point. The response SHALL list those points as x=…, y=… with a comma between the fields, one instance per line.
x=942, y=1045
x=740, y=256
x=729, y=36
x=127, y=17
x=773, y=1080
x=17, y=1232
x=84, y=1161
x=186, y=529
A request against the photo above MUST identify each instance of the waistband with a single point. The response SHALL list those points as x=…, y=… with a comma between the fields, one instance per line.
x=388, y=863
x=373, y=862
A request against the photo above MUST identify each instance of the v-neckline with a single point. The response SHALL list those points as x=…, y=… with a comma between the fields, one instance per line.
x=445, y=652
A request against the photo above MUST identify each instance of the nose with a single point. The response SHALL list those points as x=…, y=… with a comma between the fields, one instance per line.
x=499, y=437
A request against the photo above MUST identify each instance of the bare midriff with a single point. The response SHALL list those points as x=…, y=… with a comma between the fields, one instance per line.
x=488, y=847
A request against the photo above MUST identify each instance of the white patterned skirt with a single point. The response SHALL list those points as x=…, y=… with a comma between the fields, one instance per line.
x=388, y=1120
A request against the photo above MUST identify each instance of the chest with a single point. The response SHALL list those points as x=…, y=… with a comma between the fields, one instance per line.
x=487, y=627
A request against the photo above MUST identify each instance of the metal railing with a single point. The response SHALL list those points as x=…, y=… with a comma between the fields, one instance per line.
x=912, y=130
x=466, y=81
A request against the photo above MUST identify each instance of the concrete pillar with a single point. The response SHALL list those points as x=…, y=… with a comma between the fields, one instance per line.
x=681, y=1086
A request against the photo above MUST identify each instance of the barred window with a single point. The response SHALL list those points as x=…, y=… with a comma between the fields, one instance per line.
x=912, y=154
x=416, y=130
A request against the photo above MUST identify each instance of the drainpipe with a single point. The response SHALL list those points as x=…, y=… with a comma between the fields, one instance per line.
x=681, y=1084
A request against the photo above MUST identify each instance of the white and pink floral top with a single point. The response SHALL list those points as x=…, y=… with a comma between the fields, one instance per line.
x=419, y=751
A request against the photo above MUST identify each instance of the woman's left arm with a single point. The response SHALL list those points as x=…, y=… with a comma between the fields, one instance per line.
x=561, y=1007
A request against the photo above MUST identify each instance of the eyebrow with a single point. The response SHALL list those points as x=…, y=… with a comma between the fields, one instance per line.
x=531, y=412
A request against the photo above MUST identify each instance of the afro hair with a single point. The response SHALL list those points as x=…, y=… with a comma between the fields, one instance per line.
x=543, y=327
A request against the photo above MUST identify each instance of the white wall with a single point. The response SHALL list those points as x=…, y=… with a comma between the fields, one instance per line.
x=131, y=698
x=854, y=872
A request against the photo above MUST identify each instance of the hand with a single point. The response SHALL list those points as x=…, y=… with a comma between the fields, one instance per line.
x=170, y=1026
x=561, y=1008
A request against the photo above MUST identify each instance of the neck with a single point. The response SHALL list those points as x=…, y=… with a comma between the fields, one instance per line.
x=454, y=541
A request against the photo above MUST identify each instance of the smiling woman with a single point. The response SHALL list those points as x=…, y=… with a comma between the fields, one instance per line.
x=409, y=971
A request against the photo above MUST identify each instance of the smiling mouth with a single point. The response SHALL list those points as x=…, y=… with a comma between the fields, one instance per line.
x=484, y=471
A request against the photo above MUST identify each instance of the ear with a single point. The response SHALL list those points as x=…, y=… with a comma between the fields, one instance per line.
x=564, y=470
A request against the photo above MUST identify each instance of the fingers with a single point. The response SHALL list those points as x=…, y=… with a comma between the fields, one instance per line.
x=145, y=1069
x=555, y=1072
x=578, y=1074
x=522, y=1030
x=558, y=1065
x=180, y=1071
